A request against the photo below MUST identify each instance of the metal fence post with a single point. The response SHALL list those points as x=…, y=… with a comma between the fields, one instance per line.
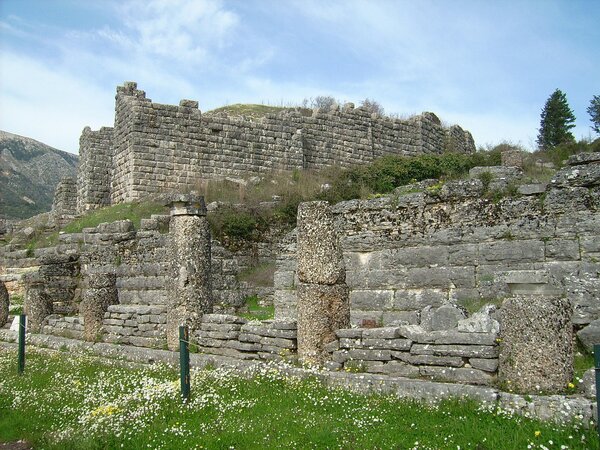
x=597, y=373
x=184, y=361
x=22, y=321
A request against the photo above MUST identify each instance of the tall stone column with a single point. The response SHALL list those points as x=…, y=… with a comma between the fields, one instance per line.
x=99, y=294
x=38, y=304
x=4, y=303
x=536, y=348
x=190, y=293
x=323, y=296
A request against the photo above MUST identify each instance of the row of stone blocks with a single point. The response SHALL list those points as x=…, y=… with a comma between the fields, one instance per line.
x=228, y=335
x=139, y=325
x=411, y=351
x=65, y=326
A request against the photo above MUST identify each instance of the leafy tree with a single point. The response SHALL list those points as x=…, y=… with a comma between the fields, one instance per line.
x=557, y=120
x=373, y=106
x=594, y=112
x=323, y=101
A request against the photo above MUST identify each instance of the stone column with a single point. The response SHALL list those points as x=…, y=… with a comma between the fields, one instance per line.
x=38, y=304
x=99, y=294
x=323, y=296
x=4, y=303
x=536, y=348
x=190, y=292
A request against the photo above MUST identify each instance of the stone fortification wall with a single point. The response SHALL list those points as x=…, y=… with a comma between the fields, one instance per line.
x=155, y=148
x=94, y=172
x=64, y=206
x=429, y=245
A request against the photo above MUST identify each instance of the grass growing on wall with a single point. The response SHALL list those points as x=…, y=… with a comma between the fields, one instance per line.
x=256, y=311
x=64, y=401
x=124, y=211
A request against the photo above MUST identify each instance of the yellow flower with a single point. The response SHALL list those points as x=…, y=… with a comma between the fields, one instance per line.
x=537, y=433
x=104, y=410
x=571, y=386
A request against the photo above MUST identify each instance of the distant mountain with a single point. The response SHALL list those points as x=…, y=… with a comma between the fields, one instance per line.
x=29, y=173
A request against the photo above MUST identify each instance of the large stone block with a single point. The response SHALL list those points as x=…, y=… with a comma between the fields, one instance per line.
x=536, y=351
x=320, y=259
x=446, y=317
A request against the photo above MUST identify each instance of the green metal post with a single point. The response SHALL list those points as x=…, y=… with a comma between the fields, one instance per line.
x=184, y=361
x=597, y=371
x=21, y=343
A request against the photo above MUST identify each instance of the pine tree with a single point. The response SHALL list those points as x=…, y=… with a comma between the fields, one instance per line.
x=594, y=112
x=557, y=120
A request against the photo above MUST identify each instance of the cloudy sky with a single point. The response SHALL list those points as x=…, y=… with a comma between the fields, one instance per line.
x=488, y=66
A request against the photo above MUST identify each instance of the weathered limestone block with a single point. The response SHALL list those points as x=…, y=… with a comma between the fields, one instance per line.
x=590, y=335
x=322, y=309
x=4, y=303
x=38, y=304
x=320, y=259
x=190, y=262
x=480, y=322
x=446, y=317
x=101, y=292
x=536, y=350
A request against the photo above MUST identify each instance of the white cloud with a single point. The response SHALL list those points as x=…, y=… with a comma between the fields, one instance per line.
x=185, y=30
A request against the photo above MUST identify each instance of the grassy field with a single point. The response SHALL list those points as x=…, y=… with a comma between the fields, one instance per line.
x=67, y=402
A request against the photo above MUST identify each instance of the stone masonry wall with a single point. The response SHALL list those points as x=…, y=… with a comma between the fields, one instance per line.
x=64, y=206
x=156, y=148
x=413, y=250
x=236, y=337
x=410, y=351
x=95, y=163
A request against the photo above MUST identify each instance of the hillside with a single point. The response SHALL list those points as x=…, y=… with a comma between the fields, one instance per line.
x=29, y=173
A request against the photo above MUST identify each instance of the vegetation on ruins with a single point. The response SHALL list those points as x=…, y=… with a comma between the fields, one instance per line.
x=263, y=204
x=557, y=119
x=80, y=402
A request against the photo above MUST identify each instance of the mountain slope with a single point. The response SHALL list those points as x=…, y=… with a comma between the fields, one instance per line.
x=29, y=173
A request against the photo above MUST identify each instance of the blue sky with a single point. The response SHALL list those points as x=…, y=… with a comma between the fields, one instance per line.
x=488, y=66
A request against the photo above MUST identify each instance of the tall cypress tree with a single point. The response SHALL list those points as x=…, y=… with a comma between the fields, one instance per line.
x=557, y=120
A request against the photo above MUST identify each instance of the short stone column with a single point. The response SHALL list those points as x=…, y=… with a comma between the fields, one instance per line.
x=323, y=296
x=536, y=348
x=38, y=304
x=190, y=292
x=4, y=303
x=97, y=296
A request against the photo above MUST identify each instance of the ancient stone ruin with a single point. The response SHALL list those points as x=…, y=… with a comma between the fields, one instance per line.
x=154, y=148
x=435, y=289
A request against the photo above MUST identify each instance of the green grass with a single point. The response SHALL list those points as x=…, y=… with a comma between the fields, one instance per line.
x=256, y=311
x=131, y=211
x=256, y=111
x=472, y=305
x=67, y=402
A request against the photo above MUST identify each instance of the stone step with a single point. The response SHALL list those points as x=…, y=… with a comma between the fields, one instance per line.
x=137, y=309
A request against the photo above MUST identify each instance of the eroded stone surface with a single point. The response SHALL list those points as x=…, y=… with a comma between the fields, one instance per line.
x=322, y=309
x=4, y=304
x=101, y=292
x=536, y=351
x=190, y=263
x=320, y=258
